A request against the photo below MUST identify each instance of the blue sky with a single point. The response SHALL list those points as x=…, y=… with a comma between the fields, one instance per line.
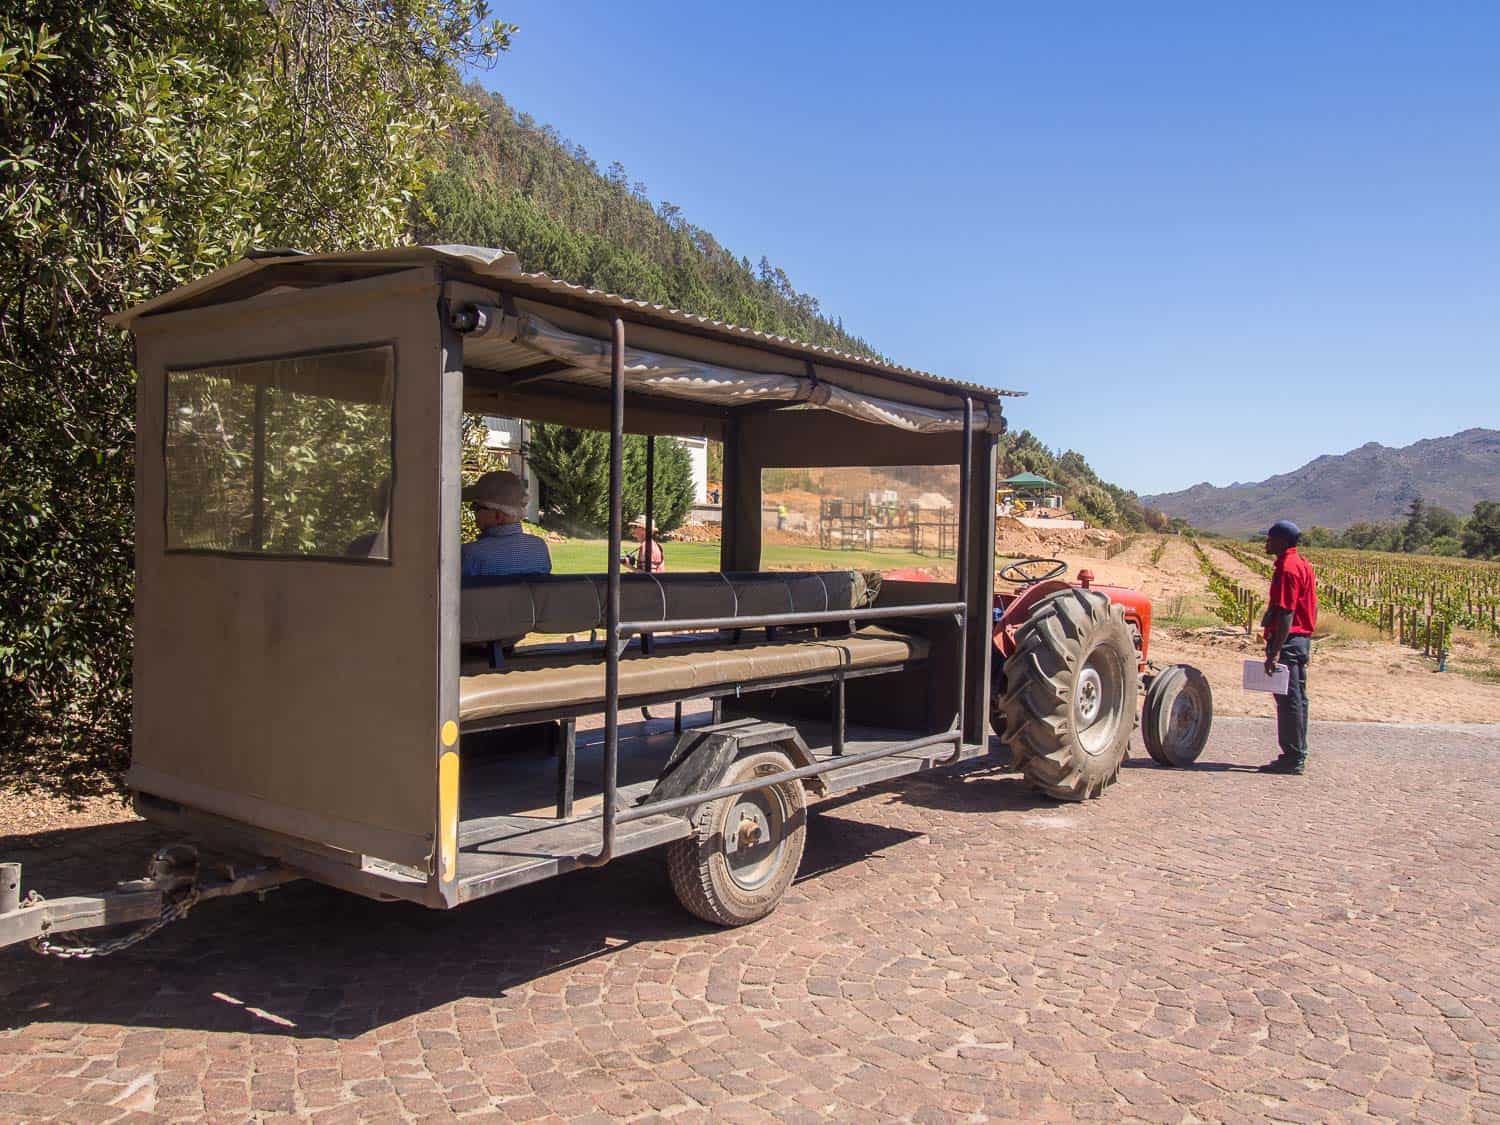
x=1211, y=241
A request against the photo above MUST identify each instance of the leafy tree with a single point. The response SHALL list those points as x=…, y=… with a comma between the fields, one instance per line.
x=1440, y=522
x=1415, y=534
x=1481, y=538
x=573, y=467
x=672, y=482
x=145, y=142
x=1096, y=506
x=1445, y=545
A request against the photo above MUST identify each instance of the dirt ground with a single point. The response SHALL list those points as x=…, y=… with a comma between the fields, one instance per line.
x=1350, y=678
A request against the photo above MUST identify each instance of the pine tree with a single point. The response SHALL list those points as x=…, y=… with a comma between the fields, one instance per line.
x=573, y=467
x=673, y=483
x=1414, y=535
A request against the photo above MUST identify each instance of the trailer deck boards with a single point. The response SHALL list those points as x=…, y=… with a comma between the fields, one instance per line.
x=509, y=833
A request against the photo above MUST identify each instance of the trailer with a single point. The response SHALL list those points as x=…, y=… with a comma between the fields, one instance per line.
x=320, y=694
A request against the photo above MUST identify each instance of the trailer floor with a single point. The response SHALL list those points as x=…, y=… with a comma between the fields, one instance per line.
x=509, y=833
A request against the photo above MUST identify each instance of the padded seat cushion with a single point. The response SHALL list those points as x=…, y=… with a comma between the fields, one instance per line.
x=534, y=683
x=508, y=608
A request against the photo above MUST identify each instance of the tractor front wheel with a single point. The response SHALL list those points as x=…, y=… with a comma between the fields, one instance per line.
x=1070, y=695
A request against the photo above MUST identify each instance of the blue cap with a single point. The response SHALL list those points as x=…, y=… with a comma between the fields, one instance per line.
x=1286, y=529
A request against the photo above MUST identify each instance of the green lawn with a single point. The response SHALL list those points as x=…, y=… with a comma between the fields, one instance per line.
x=590, y=556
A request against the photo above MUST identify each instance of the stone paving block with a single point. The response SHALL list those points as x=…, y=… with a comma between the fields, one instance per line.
x=1199, y=945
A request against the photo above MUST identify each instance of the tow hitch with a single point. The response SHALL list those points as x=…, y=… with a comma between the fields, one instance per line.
x=172, y=886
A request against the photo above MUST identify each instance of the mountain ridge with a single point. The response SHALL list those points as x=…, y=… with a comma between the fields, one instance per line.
x=1368, y=483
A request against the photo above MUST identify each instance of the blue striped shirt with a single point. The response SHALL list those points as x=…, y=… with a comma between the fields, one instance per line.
x=505, y=549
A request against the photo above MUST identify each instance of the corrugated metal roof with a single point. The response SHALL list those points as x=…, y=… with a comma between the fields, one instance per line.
x=488, y=262
x=814, y=351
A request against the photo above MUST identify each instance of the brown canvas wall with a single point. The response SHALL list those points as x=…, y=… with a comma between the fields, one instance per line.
x=301, y=696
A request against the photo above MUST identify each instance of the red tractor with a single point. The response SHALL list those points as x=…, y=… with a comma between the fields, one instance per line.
x=1071, y=664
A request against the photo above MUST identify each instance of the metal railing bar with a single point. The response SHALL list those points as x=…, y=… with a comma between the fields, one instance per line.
x=961, y=559
x=612, y=608
x=871, y=613
x=828, y=765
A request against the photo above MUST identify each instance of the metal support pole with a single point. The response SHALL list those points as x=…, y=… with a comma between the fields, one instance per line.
x=10, y=887
x=838, y=716
x=677, y=718
x=650, y=516
x=612, y=607
x=965, y=580
x=567, y=759
x=648, y=543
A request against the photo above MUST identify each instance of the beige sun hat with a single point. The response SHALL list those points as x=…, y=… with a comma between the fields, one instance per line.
x=499, y=489
x=640, y=521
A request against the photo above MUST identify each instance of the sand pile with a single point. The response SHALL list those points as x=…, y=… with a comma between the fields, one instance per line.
x=695, y=533
x=1012, y=537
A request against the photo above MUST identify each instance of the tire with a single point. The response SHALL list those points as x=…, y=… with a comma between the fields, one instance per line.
x=1177, y=716
x=1070, y=695
x=719, y=877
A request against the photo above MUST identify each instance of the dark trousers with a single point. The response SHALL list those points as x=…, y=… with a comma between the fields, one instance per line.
x=1291, y=708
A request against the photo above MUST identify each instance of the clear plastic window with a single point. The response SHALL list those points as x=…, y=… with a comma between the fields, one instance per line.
x=282, y=457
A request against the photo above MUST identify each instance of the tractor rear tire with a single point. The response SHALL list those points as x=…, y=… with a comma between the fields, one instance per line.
x=1070, y=698
x=745, y=850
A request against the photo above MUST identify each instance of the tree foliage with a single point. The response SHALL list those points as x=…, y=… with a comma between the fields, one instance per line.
x=1427, y=529
x=573, y=466
x=518, y=184
x=1084, y=491
x=144, y=143
x=1481, y=534
x=672, y=482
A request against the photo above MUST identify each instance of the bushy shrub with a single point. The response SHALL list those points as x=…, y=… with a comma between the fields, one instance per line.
x=146, y=142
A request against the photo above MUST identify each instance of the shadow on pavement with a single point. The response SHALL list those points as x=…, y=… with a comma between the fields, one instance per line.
x=1196, y=767
x=313, y=962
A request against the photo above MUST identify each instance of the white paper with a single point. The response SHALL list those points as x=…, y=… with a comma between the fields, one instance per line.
x=1257, y=680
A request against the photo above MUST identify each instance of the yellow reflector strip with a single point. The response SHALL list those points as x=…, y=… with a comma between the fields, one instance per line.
x=450, y=733
x=448, y=812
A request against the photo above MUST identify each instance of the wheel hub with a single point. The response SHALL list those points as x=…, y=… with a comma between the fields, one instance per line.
x=1097, y=701
x=1090, y=693
x=753, y=839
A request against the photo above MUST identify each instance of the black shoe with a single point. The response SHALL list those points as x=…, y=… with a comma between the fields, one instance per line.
x=1284, y=765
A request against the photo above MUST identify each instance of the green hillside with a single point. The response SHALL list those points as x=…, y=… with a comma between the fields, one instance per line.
x=516, y=183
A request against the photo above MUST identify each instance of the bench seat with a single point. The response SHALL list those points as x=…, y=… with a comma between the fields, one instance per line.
x=566, y=682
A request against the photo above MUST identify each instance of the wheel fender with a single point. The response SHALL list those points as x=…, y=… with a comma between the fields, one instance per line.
x=702, y=757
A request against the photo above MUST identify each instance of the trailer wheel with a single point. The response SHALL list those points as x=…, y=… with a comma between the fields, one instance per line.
x=745, y=850
x=1070, y=698
x=1177, y=716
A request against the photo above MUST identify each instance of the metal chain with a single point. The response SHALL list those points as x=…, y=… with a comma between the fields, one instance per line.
x=171, y=911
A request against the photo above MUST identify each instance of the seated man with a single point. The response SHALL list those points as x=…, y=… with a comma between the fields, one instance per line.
x=499, y=501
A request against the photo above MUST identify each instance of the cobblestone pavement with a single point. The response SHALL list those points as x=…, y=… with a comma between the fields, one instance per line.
x=1201, y=945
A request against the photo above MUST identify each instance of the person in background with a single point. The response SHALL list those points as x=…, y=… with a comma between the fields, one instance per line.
x=648, y=549
x=1290, y=619
x=503, y=546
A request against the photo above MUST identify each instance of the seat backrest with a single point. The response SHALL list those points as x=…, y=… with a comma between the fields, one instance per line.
x=506, y=609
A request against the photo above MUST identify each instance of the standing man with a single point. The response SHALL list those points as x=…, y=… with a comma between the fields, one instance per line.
x=1289, y=622
x=503, y=546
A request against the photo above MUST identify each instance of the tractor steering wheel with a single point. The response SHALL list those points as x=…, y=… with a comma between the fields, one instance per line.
x=1022, y=569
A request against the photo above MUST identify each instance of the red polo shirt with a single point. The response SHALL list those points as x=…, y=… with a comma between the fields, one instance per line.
x=1294, y=587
